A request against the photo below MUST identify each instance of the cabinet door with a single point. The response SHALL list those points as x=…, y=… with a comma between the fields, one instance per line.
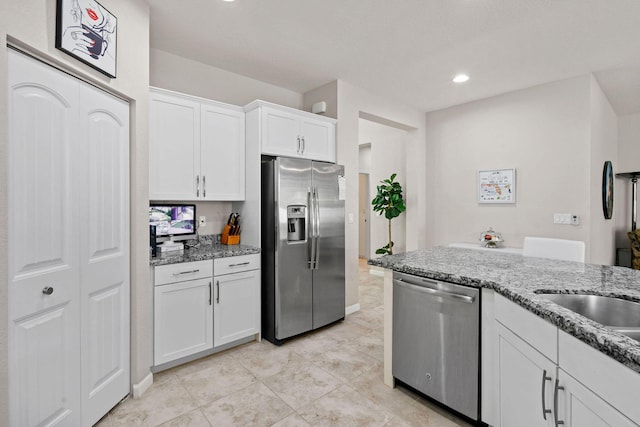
x=183, y=319
x=222, y=153
x=318, y=140
x=237, y=308
x=174, y=148
x=43, y=289
x=525, y=382
x=280, y=133
x=579, y=406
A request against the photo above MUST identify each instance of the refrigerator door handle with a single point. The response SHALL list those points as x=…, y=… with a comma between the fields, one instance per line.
x=310, y=230
x=316, y=215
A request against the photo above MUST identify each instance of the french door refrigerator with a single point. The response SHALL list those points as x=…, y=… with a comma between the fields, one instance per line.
x=303, y=280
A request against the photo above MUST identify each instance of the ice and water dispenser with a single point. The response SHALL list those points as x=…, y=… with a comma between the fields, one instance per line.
x=296, y=216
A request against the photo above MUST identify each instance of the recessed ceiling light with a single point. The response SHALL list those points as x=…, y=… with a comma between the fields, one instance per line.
x=229, y=0
x=460, y=78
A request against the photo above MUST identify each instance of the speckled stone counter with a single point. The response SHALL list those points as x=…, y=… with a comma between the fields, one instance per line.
x=206, y=250
x=521, y=278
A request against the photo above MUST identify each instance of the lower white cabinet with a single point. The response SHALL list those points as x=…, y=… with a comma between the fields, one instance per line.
x=525, y=382
x=237, y=298
x=183, y=310
x=579, y=406
x=531, y=389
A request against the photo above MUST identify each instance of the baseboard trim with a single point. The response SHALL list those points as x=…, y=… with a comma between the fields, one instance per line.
x=352, y=309
x=142, y=386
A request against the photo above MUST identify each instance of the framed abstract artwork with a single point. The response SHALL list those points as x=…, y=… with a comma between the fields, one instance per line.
x=497, y=186
x=88, y=32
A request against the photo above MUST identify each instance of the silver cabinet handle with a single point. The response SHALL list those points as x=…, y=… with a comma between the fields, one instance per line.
x=204, y=186
x=47, y=290
x=186, y=272
x=545, y=378
x=298, y=148
x=197, y=185
x=304, y=145
x=555, y=404
x=210, y=292
x=218, y=289
x=239, y=264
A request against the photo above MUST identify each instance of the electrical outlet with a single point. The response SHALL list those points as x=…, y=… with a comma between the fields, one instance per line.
x=202, y=221
x=559, y=218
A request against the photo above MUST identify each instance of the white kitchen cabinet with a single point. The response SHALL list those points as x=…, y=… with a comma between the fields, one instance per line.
x=196, y=148
x=293, y=133
x=538, y=368
x=578, y=406
x=183, y=310
x=525, y=382
x=237, y=298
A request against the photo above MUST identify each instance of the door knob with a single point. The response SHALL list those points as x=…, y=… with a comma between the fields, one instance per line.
x=47, y=290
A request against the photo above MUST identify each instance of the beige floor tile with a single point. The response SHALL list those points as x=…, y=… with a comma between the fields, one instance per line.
x=345, y=363
x=161, y=403
x=194, y=418
x=314, y=345
x=199, y=364
x=302, y=385
x=371, y=344
x=293, y=420
x=255, y=405
x=217, y=381
x=265, y=359
x=348, y=331
x=344, y=407
x=104, y=422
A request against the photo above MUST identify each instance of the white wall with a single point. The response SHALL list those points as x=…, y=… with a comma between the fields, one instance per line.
x=169, y=71
x=31, y=25
x=604, y=146
x=351, y=103
x=556, y=136
x=364, y=158
x=543, y=132
x=387, y=156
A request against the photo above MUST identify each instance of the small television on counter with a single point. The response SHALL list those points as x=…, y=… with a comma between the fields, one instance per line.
x=173, y=221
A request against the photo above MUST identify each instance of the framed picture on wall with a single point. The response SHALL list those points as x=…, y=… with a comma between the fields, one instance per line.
x=497, y=186
x=88, y=32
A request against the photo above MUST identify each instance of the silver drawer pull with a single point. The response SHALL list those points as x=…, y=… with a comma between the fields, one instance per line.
x=47, y=290
x=186, y=272
x=238, y=265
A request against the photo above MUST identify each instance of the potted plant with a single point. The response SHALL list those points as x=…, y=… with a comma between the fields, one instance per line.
x=388, y=201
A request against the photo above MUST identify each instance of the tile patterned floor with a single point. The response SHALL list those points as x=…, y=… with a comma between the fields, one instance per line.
x=332, y=377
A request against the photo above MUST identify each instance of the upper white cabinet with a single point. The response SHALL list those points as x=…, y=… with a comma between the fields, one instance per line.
x=196, y=148
x=284, y=131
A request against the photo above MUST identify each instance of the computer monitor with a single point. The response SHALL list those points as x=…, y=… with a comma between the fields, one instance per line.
x=173, y=221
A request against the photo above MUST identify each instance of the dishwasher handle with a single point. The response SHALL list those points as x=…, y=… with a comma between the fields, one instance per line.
x=435, y=292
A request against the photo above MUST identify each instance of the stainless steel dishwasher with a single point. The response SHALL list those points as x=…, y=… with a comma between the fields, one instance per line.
x=436, y=340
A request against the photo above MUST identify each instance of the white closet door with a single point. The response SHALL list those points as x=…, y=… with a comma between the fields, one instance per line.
x=44, y=352
x=103, y=153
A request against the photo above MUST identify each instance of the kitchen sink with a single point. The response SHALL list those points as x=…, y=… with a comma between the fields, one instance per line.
x=618, y=314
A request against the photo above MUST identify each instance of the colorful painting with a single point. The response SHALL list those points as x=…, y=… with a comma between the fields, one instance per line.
x=87, y=31
x=497, y=186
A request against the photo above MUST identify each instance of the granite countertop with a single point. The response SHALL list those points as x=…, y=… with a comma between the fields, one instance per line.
x=204, y=251
x=519, y=278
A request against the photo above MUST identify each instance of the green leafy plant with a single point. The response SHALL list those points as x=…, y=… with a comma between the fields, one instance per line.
x=388, y=201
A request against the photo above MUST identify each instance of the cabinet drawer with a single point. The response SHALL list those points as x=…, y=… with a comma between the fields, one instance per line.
x=236, y=264
x=184, y=271
x=537, y=332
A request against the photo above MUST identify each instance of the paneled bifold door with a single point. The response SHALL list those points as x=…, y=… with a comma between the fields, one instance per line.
x=68, y=247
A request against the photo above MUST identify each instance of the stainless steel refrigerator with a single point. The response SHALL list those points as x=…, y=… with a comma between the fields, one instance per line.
x=303, y=280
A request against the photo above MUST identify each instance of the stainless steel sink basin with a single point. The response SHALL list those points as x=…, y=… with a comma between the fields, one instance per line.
x=609, y=311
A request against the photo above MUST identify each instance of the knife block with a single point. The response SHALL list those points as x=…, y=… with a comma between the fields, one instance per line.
x=226, y=239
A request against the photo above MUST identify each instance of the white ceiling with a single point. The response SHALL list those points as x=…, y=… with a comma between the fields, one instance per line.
x=409, y=50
